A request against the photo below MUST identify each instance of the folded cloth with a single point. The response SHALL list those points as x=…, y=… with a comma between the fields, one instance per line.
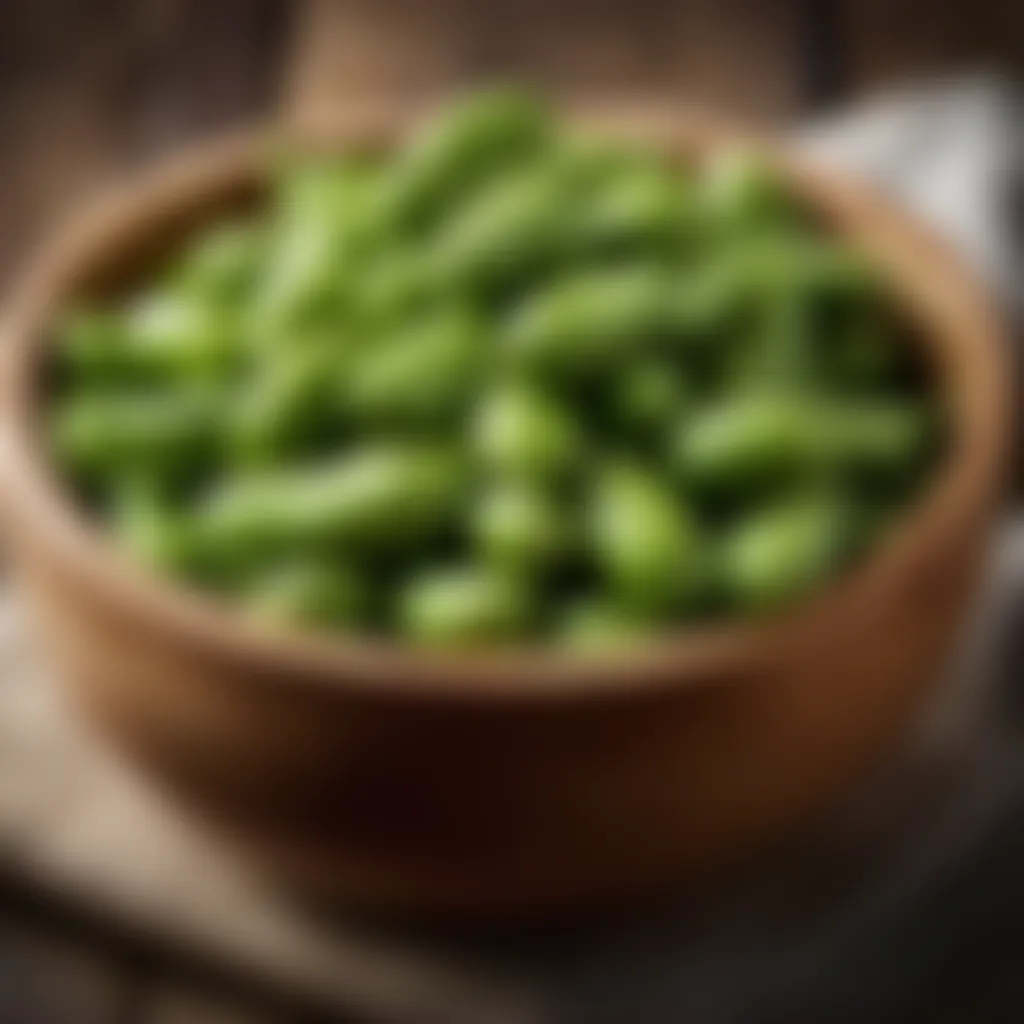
x=954, y=153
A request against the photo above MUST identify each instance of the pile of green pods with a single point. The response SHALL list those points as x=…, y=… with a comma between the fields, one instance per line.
x=507, y=383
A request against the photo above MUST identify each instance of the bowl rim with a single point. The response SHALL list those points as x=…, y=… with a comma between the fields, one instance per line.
x=965, y=484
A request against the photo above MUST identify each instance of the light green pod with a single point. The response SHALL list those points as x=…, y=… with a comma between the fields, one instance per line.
x=396, y=283
x=223, y=265
x=521, y=528
x=740, y=190
x=172, y=334
x=591, y=323
x=509, y=227
x=744, y=442
x=457, y=150
x=101, y=435
x=303, y=288
x=294, y=396
x=779, y=553
x=425, y=373
x=317, y=236
x=381, y=497
x=710, y=303
x=521, y=432
x=639, y=202
x=773, y=283
x=644, y=540
x=463, y=607
x=162, y=337
x=329, y=193
x=793, y=265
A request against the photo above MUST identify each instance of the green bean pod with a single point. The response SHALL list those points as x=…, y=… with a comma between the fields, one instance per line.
x=159, y=338
x=463, y=607
x=505, y=231
x=644, y=539
x=425, y=374
x=592, y=323
x=293, y=399
x=746, y=442
x=455, y=152
x=521, y=432
x=387, y=497
x=642, y=204
x=779, y=553
x=520, y=528
x=98, y=436
x=223, y=266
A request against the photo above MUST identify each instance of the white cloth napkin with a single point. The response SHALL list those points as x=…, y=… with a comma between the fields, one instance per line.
x=954, y=153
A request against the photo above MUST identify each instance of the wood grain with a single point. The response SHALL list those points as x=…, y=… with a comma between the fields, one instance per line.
x=737, y=53
x=88, y=89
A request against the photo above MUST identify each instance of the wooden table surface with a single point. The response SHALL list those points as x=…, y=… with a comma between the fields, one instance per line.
x=90, y=88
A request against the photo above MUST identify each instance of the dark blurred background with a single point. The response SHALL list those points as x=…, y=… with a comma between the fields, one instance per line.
x=93, y=88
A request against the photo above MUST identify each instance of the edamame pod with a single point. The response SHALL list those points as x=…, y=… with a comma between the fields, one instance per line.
x=591, y=323
x=425, y=374
x=223, y=265
x=394, y=284
x=521, y=432
x=779, y=553
x=640, y=203
x=509, y=228
x=177, y=337
x=159, y=436
x=644, y=539
x=740, y=190
x=473, y=139
x=748, y=441
x=286, y=405
x=159, y=338
x=320, y=236
x=463, y=608
x=384, y=497
x=520, y=528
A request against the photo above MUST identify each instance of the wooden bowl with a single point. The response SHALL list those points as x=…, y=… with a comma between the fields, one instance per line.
x=518, y=783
